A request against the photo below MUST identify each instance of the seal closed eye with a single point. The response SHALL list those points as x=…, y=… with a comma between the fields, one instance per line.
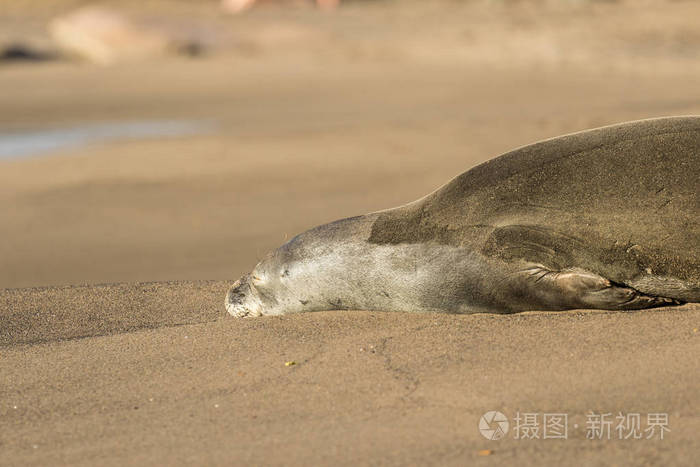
x=605, y=218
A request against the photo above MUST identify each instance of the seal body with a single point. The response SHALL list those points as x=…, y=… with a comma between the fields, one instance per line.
x=605, y=218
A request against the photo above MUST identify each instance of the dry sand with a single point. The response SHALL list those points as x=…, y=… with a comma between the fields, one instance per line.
x=367, y=387
x=156, y=374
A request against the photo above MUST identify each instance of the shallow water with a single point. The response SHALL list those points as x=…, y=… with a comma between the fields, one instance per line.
x=39, y=142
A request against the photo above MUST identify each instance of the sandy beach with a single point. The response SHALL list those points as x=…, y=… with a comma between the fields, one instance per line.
x=160, y=376
x=116, y=253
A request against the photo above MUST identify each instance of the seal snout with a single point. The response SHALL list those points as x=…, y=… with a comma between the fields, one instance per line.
x=241, y=299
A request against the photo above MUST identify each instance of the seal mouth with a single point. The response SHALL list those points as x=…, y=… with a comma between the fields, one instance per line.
x=242, y=300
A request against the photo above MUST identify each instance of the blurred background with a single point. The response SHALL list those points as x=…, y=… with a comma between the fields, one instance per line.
x=183, y=139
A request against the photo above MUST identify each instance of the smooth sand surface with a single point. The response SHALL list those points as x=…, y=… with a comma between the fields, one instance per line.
x=375, y=110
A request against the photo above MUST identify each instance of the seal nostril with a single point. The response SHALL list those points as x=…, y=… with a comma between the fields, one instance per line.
x=234, y=295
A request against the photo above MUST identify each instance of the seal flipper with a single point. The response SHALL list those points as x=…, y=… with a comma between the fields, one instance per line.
x=577, y=288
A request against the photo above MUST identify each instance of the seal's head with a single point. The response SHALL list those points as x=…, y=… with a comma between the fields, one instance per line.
x=316, y=270
x=281, y=283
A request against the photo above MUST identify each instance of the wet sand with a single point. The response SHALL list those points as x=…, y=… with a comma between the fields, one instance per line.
x=141, y=372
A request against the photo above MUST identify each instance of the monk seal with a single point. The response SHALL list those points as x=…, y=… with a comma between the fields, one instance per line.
x=605, y=218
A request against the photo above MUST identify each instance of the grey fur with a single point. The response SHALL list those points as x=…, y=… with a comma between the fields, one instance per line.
x=605, y=218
